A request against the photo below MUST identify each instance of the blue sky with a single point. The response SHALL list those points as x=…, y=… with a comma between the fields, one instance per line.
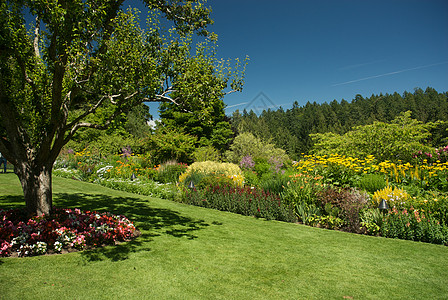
x=325, y=50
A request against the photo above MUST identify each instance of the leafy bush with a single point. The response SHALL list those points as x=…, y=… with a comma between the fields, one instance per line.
x=302, y=189
x=250, y=178
x=307, y=213
x=168, y=144
x=273, y=182
x=329, y=222
x=397, y=140
x=246, y=144
x=371, y=221
x=262, y=167
x=104, y=144
x=372, y=182
x=169, y=172
x=206, y=153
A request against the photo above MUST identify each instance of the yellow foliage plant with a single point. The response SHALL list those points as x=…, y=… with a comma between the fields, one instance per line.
x=395, y=197
x=213, y=168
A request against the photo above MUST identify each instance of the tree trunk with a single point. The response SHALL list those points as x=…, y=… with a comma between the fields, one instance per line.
x=37, y=188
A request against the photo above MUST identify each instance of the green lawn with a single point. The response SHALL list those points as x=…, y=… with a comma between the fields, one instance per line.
x=188, y=252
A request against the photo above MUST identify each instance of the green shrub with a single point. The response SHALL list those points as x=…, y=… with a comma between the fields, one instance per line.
x=250, y=178
x=371, y=221
x=302, y=188
x=246, y=144
x=307, y=213
x=170, y=171
x=273, y=182
x=339, y=175
x=372, y=182
x=262, y=167
x=329, y=221
x=142, y=187
x=168, y=144
x=206, y=153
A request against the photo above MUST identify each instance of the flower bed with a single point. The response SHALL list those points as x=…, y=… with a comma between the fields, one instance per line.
x=242, y=200
x=64, y=230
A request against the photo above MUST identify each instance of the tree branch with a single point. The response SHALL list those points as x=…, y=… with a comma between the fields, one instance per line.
x=86, y=113
x=36, y=38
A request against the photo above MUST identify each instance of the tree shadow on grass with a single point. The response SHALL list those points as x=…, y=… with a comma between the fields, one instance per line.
x=11, y=202
x=150, y=221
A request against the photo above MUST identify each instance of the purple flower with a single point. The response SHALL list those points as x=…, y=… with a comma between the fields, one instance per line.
x=276, y=164
x=247, y=162
x=127, y=151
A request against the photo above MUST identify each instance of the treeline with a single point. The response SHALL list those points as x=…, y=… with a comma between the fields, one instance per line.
x=290, y=129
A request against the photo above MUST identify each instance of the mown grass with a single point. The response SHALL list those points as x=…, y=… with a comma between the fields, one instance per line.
x=188, y=252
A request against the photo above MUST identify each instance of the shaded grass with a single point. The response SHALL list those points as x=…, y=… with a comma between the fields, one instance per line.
x=188, y=252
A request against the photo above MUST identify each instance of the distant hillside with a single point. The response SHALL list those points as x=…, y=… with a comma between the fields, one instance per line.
x=290, y=129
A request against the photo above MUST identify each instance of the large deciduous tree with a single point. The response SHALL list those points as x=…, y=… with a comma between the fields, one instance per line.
x=77, y=59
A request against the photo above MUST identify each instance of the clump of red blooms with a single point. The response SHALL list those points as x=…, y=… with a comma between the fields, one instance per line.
x=63, y=231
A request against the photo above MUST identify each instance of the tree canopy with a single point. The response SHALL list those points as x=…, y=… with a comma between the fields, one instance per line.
x=290, y=129
x=80, y=59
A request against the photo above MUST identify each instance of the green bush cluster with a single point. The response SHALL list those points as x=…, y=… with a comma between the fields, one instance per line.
x=371, y=183
x=170, y=171
x=246, y=144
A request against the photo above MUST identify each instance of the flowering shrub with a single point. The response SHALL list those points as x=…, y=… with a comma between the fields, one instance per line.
x=434, y=203
x=302, y=188
x=413, y=225
x=64, y=229
x=341, y=170
x=276, y=165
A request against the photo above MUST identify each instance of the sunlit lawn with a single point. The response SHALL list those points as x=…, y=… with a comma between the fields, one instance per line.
x=188, y=252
